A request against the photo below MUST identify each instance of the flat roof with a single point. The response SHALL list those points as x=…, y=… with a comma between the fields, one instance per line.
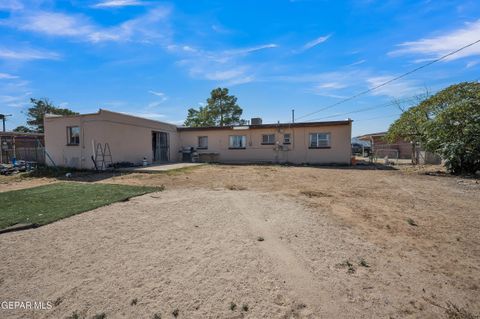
x=372, y=135
x=261, y=126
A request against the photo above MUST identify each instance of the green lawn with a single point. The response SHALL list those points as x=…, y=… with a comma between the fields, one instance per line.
x=45, y=204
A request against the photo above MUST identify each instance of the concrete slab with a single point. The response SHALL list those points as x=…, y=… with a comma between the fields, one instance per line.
x=158, y=167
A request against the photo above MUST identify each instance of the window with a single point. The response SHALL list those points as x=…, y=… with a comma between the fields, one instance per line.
x=268, y=139
x=286, y=138
x=202, y=142
x=73, y=135
x=319, y=140
x=238, y=141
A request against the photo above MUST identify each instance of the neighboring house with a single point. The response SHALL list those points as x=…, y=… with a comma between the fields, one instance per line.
x=21, y=146
x=381, y=147
x=73, y=140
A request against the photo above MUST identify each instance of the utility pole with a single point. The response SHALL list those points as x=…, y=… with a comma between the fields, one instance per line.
x=293, y=115
x=3, y=116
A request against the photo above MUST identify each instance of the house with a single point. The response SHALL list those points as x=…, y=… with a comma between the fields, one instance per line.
x=381, y=147
x=21, y=146
x=78, y=140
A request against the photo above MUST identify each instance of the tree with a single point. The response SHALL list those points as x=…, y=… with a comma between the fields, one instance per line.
x=221, y=109
x=447, y=123
x=37, y=112
x=454, y=130
x=409, y=127
x=22, y=129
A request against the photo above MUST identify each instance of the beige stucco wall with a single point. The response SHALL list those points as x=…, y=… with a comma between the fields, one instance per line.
x=129, y=138
x=297, y=152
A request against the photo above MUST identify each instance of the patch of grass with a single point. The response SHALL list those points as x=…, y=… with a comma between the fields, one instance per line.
x=100, y=316
x=178, y=171
x=157, y=316
x=133, y=302
x=245, y=307
x=233, y=306
x=411, y=222
x=48, y=203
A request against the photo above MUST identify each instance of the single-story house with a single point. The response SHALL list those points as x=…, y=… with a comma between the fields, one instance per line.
x=78, y=141
x=381, y=147
x=401, y=148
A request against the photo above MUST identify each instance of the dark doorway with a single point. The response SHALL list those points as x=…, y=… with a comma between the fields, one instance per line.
x=160, y=146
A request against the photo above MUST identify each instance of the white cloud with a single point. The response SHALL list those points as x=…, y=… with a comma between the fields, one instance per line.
x=316, y=42
x=28, y=54
x=7, y=76
x=471, y=64
x=118, y=3
x=436, y=46
x=156, y=93
x=357, y=62
x=251, y=49
x=224, y=66
x=162, y=98
x=332, y=85
x=395, y=89
x=82, y=28
x=10, y=5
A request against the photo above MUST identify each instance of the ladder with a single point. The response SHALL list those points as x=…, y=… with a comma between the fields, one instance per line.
x=103, y=157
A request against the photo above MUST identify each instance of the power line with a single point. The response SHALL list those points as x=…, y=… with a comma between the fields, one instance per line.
x=409, y=99
x=391, y=80
x=378, y=117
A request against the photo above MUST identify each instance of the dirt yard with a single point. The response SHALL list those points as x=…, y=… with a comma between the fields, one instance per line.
x=257, y=242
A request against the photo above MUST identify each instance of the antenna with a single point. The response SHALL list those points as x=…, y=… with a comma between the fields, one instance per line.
x=293, y=115
x=3, y=116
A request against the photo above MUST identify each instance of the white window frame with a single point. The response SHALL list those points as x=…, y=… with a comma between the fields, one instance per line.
x=287, y=138
x=70, y=135
x=319, y=140
x=199, y=144
x=268, y=139
x=238, y=142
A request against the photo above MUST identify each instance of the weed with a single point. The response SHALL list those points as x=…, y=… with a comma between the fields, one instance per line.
x=157, y=316
x=58, y=301
x=411, y=222
x=260, y=238
x=234, y=187
x=363, y=263
x=349, y=265
x=175, y=313
x=74, y=315
x=455, y=312
x=100, y=316
x=245, y=307
x=233, y=306
x=133, y=302
x=311, y=194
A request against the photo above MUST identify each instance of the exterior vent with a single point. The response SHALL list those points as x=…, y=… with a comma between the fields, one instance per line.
x=256, y=121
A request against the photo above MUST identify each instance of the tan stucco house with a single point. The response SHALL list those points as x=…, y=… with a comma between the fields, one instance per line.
x=73, y=141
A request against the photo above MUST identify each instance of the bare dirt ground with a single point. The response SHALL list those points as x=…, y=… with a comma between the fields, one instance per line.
x=285, y=242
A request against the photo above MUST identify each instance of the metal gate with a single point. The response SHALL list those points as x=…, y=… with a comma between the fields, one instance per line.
x=161, y=147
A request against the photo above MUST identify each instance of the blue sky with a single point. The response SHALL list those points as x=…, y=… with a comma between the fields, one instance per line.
x=157, y=59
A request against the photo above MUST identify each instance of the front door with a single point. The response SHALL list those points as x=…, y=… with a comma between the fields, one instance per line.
x=160, y=146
